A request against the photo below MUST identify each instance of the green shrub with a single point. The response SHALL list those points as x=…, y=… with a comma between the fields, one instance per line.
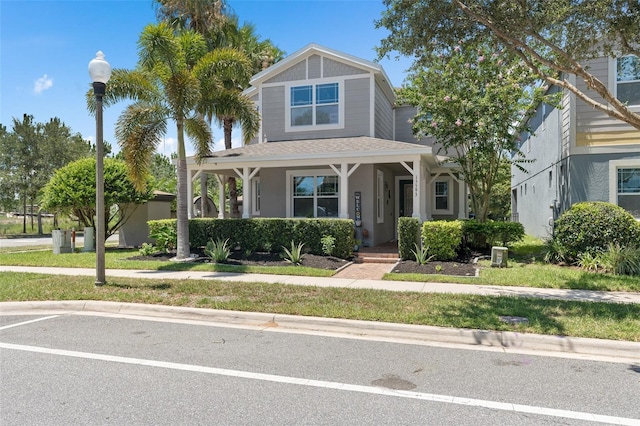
x=219, y=251
x=443, y=238
x=620, y=260
x=270, y=234
x=147, y=249
x=486, y=234
x=408, y=236
x=295, y=255
x=165, y=232
x=590, y=227
x=422, y=255
x=328, y=244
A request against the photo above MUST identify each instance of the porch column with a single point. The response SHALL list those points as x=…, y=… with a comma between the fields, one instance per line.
x=462, y=199
x=343, y=174
x=247, y=199
x=428, y=194
x=419, y=183
x=221, y=198
x=189, y=194
x=204, y=196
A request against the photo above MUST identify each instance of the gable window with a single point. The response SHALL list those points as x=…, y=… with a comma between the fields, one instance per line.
x=628, y=79
x=313, y=195
x=314, y=106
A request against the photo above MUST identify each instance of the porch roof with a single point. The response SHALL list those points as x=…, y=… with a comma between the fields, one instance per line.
x=310, y=152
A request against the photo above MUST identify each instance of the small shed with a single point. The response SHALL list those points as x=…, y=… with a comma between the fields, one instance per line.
x=136, y=231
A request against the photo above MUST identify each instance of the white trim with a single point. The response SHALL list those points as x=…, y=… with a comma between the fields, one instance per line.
x=255, y=193
x=380, y=196
x=613, y=80
x=614, y=165
x=372, y=105
x=449, y=181
x=288, y=128
x=306, y=172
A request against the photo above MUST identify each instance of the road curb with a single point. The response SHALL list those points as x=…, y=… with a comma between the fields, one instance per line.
x=510, y=342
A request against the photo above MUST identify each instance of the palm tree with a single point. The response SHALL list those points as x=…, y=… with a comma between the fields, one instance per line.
x=232, y=107
x=176, y=79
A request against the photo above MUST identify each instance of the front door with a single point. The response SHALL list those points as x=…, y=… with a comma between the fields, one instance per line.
x=406, y=198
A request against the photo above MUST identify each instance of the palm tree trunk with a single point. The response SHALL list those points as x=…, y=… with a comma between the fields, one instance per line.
x=183, y=249
x=233, y=189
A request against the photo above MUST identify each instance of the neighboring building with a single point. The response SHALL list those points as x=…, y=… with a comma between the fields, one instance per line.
x=333, y=143
x=580, y=154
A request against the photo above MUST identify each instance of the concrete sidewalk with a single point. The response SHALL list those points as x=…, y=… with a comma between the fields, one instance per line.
x=421, y=287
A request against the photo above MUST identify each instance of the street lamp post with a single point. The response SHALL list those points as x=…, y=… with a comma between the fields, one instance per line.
x=100, y=71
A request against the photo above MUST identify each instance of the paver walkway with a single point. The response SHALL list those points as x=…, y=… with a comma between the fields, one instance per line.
x=365, y=271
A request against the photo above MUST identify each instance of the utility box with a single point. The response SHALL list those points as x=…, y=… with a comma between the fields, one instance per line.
x=88, y=239
x=61, y=241
x=499, y=257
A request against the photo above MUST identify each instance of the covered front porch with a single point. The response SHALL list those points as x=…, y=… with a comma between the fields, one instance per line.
x=372, y=181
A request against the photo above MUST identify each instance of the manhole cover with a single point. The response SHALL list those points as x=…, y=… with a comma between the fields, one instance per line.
x=514, y=320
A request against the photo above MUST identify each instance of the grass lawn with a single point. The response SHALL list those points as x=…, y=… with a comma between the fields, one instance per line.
x=552, y=317
x=117, y=259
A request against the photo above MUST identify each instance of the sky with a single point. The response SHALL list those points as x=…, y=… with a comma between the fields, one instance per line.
x=46, y=46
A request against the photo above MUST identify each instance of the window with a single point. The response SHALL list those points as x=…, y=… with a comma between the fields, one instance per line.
x=442, y=197
x=314, y=105
x=550, y=178
x=628, y=79
x=256, y=196
x=314, y=195
x=380, y=197
x=628, y=182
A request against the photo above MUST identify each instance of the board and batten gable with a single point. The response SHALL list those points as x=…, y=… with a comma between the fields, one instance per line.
x=365, y=108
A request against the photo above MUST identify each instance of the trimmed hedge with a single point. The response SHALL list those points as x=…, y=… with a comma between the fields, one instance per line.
x=590, y=227
x=484, y=235
x=408, y=235
x=268, y=234
x=443, y=238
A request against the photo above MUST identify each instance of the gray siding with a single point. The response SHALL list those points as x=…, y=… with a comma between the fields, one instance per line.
x=404, y=115
x=356, y=114
x=384, y=115
x=315, y=66
x=333, y=68
x=534, y=193
x=273, y=196
x=273, y=113
x=293, y=73
x=588, y=118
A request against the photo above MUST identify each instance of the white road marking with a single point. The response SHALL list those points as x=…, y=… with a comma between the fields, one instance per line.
x=577, y=415
x=28, y=322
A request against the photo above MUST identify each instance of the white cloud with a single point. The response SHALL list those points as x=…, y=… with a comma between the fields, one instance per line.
x=42, y=84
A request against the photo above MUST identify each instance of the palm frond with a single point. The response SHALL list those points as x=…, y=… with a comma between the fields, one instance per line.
x=158, y=45
x=139, y=130
x=200, y=134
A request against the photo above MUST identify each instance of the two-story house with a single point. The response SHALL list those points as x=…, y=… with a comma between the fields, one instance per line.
x=580, y=154
x=333, y=143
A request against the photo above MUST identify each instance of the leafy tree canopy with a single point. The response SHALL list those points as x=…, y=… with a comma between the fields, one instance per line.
x=474, y=103
x=72, y=189
x=554, y=38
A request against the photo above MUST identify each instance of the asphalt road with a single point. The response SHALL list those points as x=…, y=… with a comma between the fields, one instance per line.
x=113, y=369
x=44, y=241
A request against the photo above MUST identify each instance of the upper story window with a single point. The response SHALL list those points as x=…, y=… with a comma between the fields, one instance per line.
x=628, y=79
x=314, y=105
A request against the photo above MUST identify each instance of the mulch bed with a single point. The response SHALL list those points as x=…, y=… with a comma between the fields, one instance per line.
x=257, y=259
x=459, y=267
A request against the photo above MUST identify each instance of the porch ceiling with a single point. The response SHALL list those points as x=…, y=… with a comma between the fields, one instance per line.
x=314, y=152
